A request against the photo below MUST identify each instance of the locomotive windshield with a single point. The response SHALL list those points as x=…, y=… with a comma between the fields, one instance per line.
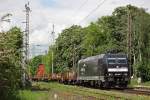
x=111, y=61
x=117, y=61
x=122, y=61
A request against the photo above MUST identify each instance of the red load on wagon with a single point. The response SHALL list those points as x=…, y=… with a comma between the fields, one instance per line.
x=40, y=73
x=41, y=70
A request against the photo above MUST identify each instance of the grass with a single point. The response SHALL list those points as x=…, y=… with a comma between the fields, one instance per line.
x=146, y=83
x=30, y=95
x=46, y=91
x=135, y=83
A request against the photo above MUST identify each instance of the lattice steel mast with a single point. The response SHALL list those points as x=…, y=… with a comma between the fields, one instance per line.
x=26, y=43
x=27, y=10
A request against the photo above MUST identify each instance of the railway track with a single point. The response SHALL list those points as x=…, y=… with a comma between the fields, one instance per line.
x=75, y=95
x=89, y=93
x=142, y=88
x=135, y=90
x=102, y=96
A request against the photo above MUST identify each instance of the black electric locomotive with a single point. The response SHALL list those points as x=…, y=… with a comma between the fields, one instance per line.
x=104, y=70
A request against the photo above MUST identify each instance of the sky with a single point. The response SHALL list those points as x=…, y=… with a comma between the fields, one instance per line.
x=61, y=13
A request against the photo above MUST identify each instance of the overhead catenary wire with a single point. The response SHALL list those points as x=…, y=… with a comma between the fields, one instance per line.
x=75, y=13
x=81, y=6
x=100, y=4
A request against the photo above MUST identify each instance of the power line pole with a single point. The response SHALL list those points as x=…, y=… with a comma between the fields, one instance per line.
x=26, y=44
x=74, y=56
x=129, y=38
x=53, y=33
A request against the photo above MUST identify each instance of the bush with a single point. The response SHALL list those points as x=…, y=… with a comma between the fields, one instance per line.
x=10, y=63
x=144, y=71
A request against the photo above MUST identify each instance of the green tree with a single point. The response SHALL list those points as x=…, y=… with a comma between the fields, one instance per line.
x=10, y=63
x=68, y=48
x=34, y=62
x=98, y=38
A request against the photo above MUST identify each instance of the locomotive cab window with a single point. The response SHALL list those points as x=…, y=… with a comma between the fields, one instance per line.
x=122, y=61
x=111, y=61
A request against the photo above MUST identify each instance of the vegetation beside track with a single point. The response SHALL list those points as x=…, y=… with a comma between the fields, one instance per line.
x=49, y=91
x=10, y=63
x=134, y=83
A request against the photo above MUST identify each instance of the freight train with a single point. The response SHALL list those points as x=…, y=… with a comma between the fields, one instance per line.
x=104, y=70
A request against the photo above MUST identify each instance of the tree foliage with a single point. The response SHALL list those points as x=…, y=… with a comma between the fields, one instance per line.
x=67, y=49
x=10, y=62
x=33, y=63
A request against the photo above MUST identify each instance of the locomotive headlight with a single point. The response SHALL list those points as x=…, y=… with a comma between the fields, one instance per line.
x=110, y=74
x=117, y=74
